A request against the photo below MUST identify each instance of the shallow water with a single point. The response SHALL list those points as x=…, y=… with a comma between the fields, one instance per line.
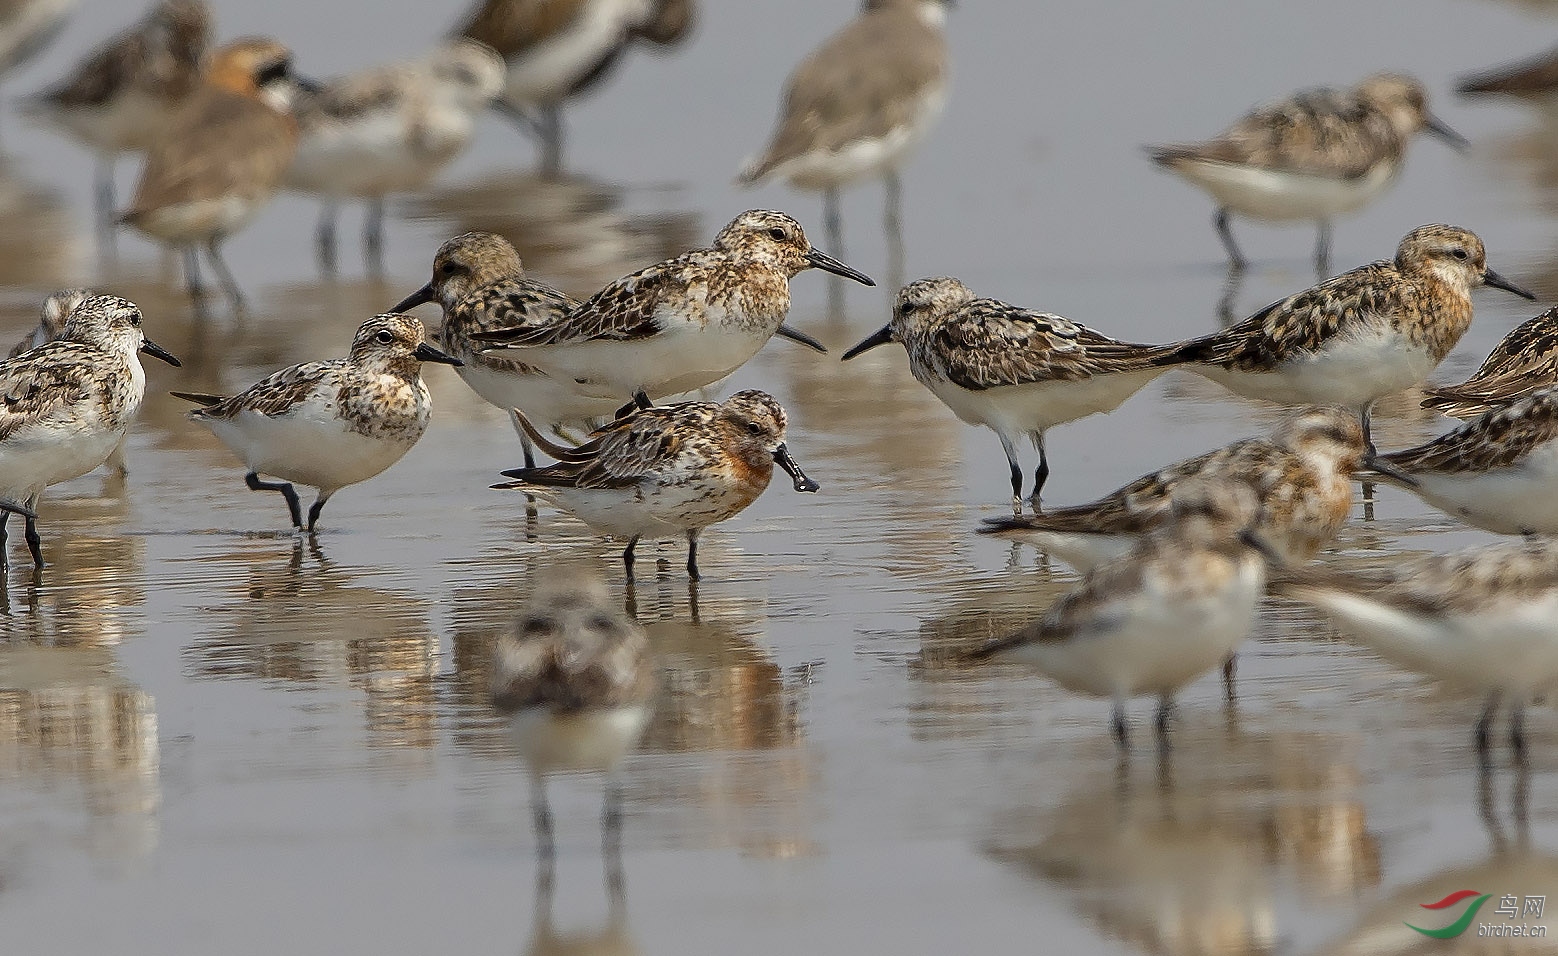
x=216, y=736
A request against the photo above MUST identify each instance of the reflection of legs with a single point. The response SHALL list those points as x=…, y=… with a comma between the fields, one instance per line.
x=546, y=849
x=1236, y=258
x=1485, y=728
x=1517, y=731
x=373, y=237
x=224, y=275
x=324, y=237
x=1040, y=474
x=1122, y=733
x=293, y=505
x=1011, y=459
x=1228, y=669
x=1161, y=722
x=611, y=841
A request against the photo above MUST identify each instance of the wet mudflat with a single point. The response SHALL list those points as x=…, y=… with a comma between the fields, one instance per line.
x=217, y=735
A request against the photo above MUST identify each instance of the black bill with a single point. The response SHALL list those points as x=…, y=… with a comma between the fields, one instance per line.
x=1436, y=126
x=422, y=296
x=881, y=336
x=796, y=335
x=1489, y=277
x=156, y=351
x=827, y=263
x=783, y=460
x=1252, y=538
x=427, y=353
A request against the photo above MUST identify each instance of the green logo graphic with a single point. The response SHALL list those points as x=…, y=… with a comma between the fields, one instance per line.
x=1459, y=926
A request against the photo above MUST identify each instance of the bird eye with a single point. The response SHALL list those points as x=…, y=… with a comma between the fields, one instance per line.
x=601, y=622
x=1459, y=254
x=905, y=308
x=386, y=337
x=448, y=268
x=135, y=319
x=778, y=234
x=754, y=428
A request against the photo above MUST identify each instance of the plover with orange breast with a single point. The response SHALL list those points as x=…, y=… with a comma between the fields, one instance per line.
x=1016, y=371
x=668, y=470
x=388, y=130
x=333, y=423
x=1313, y=156
x=1354, y=339
x=121, y=97
x=855, y=107
x=67, y=404
x=683, y=323
x=221, y=159
x=557, y=49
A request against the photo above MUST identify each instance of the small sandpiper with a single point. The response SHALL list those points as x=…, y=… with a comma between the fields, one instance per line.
x=575, y=681
x=333, y=423
x=668, y=470
x=27, y=27
x=1301, y=475
x=1498, y=472
x=855, y=107
x=1358, y=337
x=388, y=130
x=1313, y=156
x=683, y=323
x=481, y=284
x=557, y=49
x=1173, y=607
x=1484, y=620
x=1524, y=361
x=67, y=404
x=122, y=96
x=1016, y=371
x=1533, y=80
x=221, y=159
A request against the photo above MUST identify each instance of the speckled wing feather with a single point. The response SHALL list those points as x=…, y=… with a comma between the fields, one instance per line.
x=1321, y=132
x=279, y=393
x=508, y=305
x=1524, y=360
x=1538, y=74
x=866, y=80
x=43, y=381
x=1495, y=440
x=989, y=343
x=619, y=455
x=1299, y=323
x=1460, y=582
x=513, y=27
x=161, y=57
x=556, y=675
x=187, y=167
x=623, y=311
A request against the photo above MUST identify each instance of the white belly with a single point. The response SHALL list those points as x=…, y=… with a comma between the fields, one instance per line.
x=682, y=358
x=127, y=123
x=1080, y=550
x=864, y=158
x=186, y=222
x=544, y=400
x=1279, y=196
x=546, y=73
x=1511, y=500
x=1015, y=410
x=310, y=447
x=589, y=740
x=1353, y=369
x=46, y=454
x=379, y=154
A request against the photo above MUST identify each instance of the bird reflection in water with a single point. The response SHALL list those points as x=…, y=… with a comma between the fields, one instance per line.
x=609, y=939
x=1123, y=850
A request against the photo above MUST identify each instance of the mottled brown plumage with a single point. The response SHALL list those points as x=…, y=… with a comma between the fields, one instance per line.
x=1524, y=361
x=1498, y=439
x=1533, y=78
x=159, y=58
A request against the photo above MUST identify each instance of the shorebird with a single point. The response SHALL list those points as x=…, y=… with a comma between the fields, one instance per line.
x=856, y=106
x=1173, y=607
x=1358, y=337
x=387, y=130
x=557, y=49
x=1016, y=371
x=122, y=96
x=1533, y=80
x=1314, y=156
x=575, y=681
x=1524, y=361
x=667, y=470
x=27, y=26
x=683, y=323
x=66, y=405
x=1498, y=472
x=333, y=423
x=482, y=286
x=221, y=159
x=1484, y=619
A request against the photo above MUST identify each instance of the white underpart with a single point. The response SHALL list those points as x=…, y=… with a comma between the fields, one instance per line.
x=66, y=445
x=651, y=510
x=1081, y=550
x=186, y=222
x=310, y=445
x=1149, y=641
x=1015, y=410
x=588, y=740
x=545, y=74
x=866, y=158
x=1511, y=646
x=544, y=400
x=129, y=122
x=1370, y=360
x=1510, y=500
x=1283, y=196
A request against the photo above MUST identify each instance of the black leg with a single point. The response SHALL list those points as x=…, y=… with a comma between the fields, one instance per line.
x=1161, y=721
x=541, y=813
x=641, y=399
x=692, y=555
x=1040, y=474
x=4, y=517
x=197, y=292
x=627, y=555
x=1016, y=470
x=293, y=505
x=1517, y=731
x=314, y=510
x=1484, y=733
x=1366, y=417
x=373, y=237
x=1122, y=733
x=224, y=275
x=611, y=847
x=1236, y=258
x=1229, y=665
x=1323, y=250
x=324, y=238
x=34, y=543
